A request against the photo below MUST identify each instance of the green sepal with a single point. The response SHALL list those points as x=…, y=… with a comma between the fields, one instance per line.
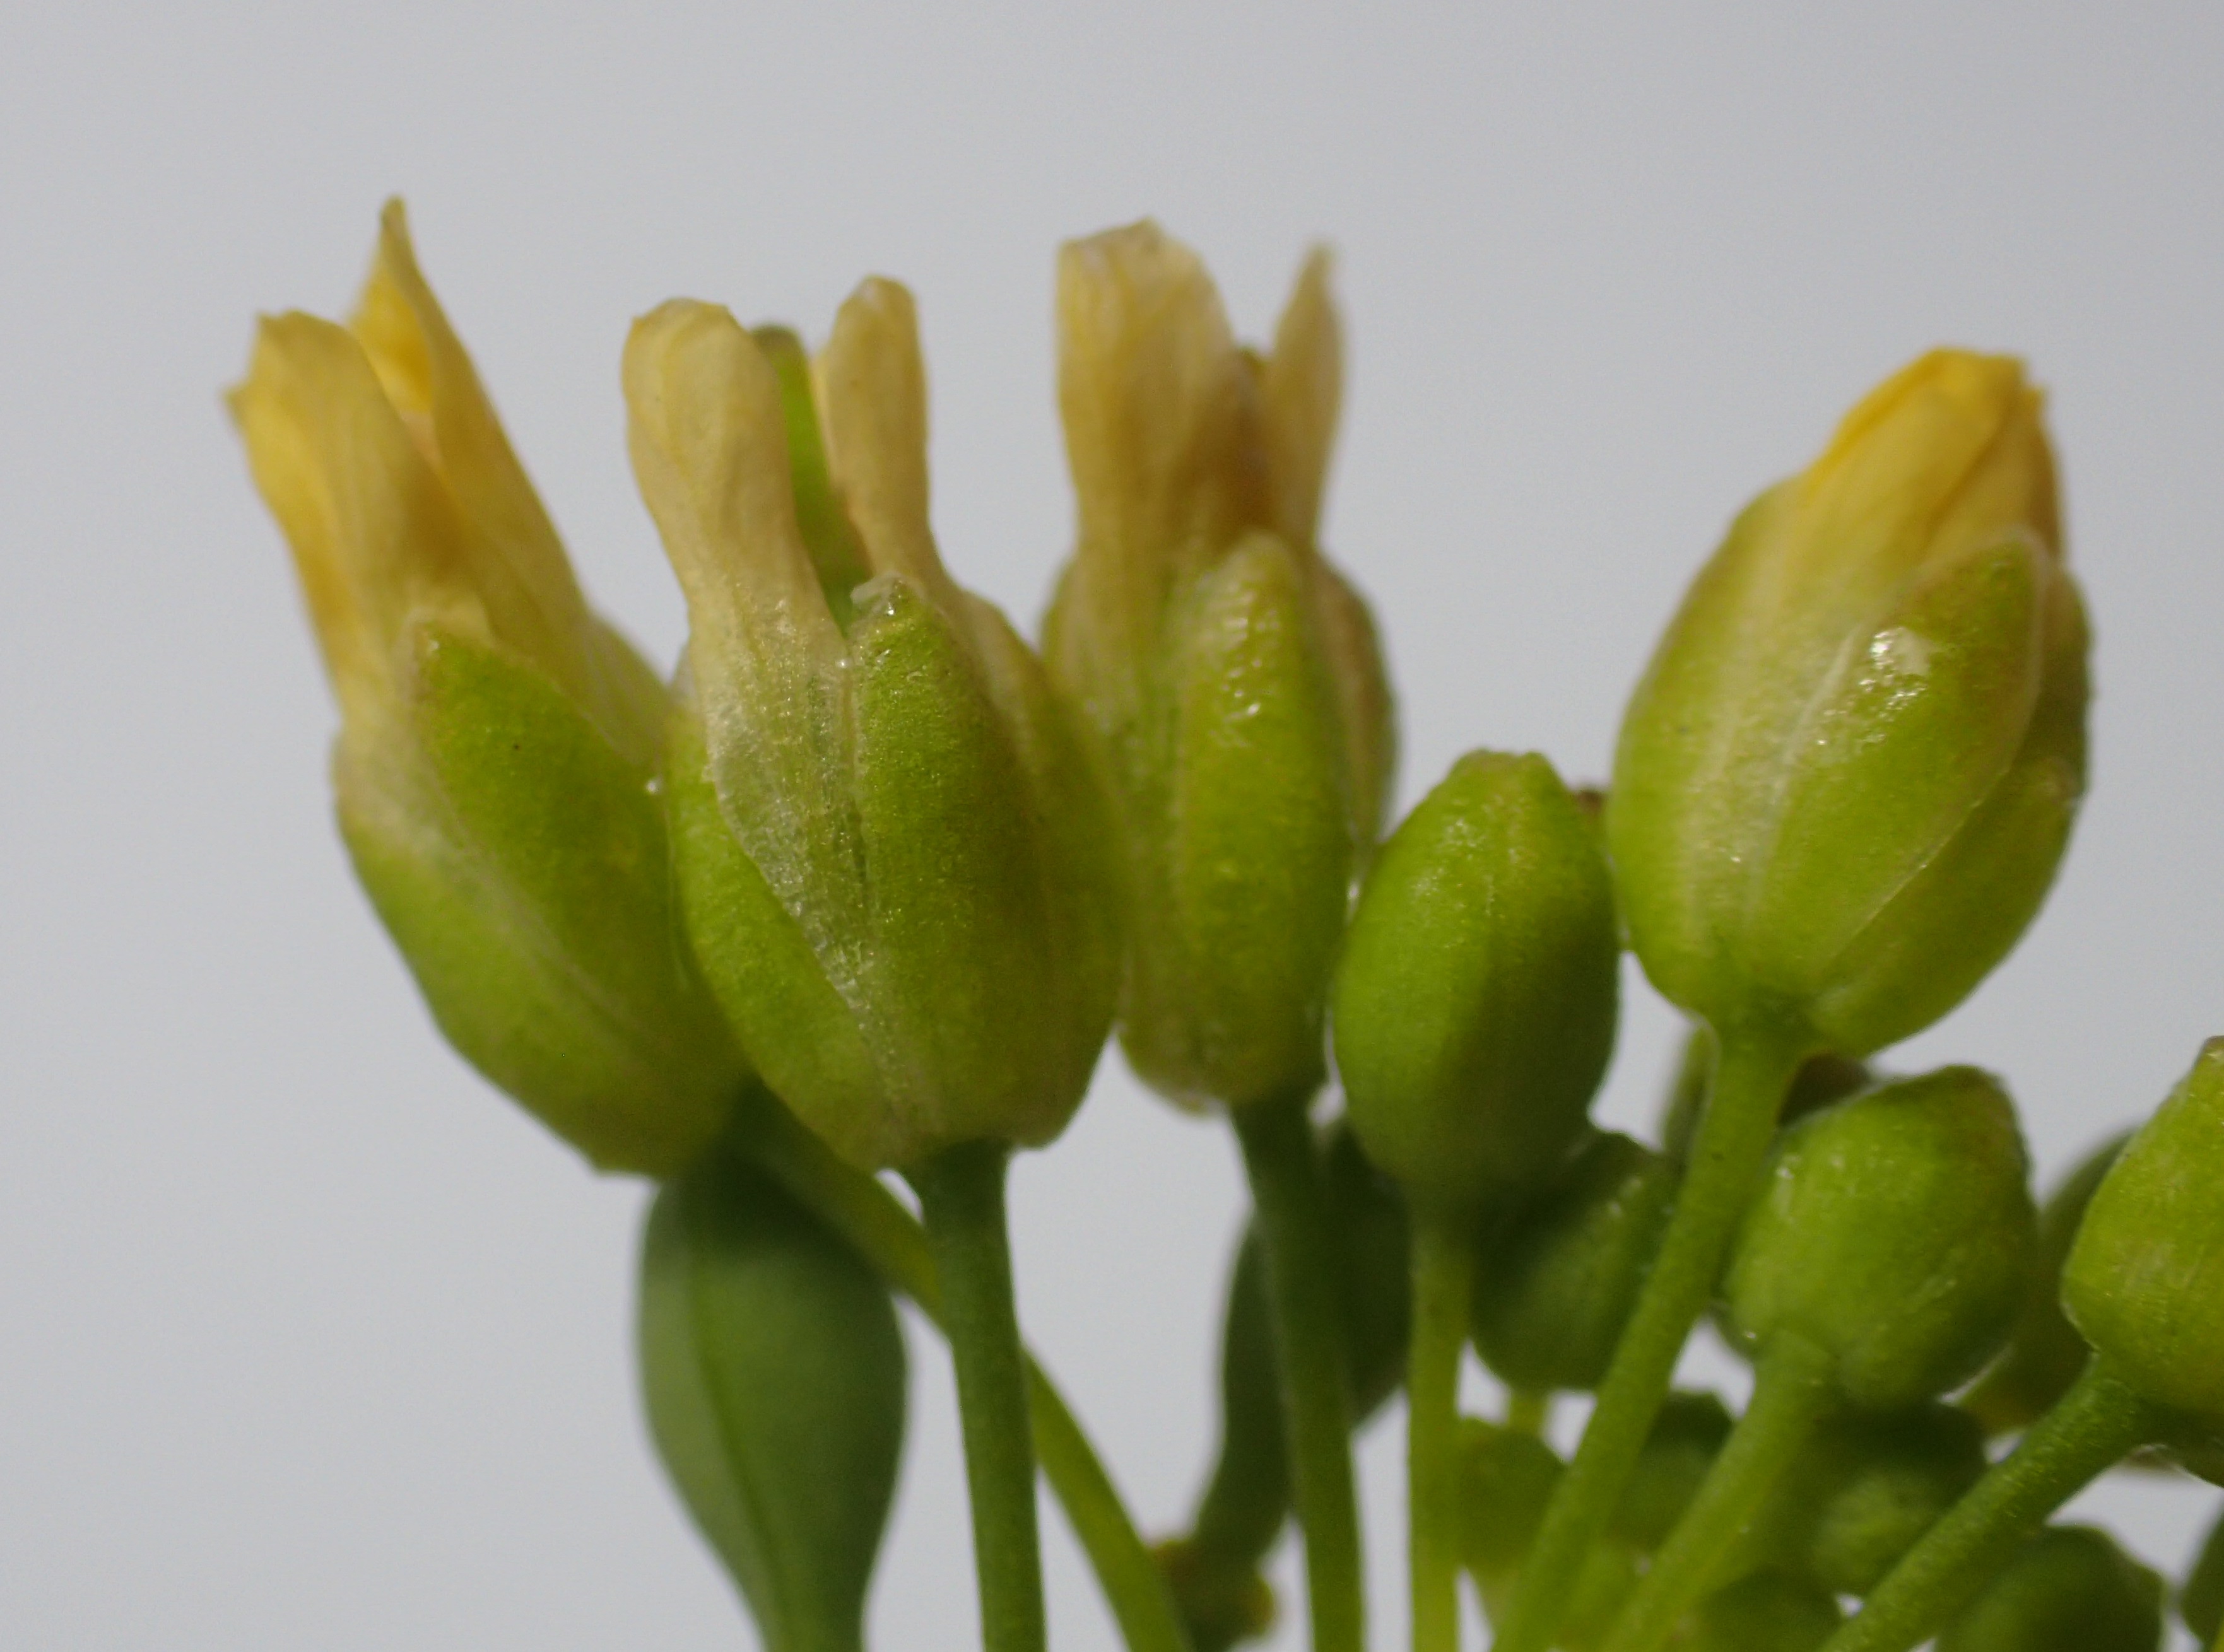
x=1916, y=723
x=2069, y=1589
x=1896, y=1232
x=2145, y=1282
x=1558, y=1279
x=1243, y=844
x=773, y=1370
x=520, y=864
x=1475, y=1003
x=800, y=1032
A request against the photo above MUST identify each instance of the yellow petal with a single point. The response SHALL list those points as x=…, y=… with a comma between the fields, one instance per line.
x=533, y=601
x=375, y=536
x=1302, y=393
x=872, y=388
x=1159, y=409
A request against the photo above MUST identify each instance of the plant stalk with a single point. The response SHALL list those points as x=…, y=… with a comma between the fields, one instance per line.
x=960, y=1194
x=1755, y=1068
x=888, y=1237
x=1294, y=1236
x=1443, y=1264
x=1791, y=1390
x=2092, y=1427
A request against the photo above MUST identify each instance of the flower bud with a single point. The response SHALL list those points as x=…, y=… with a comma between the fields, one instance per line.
x=773, y=1371
x=1768, y=1611
x=1507, y=1478
x=1865, y=1487
x=498, y=766
x=888, y=835
x=2044, y=1353
x=2145, y=1282
x=1475, y=1002
x=1894, y=1233
x=1557, y=1282
x=1228, y=678
x=1845, y=781
x=2069, y=1589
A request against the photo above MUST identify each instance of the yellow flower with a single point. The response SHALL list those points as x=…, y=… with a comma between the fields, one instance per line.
x=499, y=743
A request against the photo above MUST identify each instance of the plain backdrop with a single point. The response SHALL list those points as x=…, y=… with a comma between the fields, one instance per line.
x=308, y=1339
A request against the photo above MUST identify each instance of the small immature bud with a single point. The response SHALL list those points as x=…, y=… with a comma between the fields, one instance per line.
x=1686, y=1439
x=1864, y=1488
x=1844, y=784
x=2145, y=1282
x=1894, y=1233
x=1228, y=677
x=890, y=844
x=1769, y=1611
x=2069, y=1589
x=773, y=1370
x=1474, y=1006
x=2044, y=1353
x=1506, y=1478
x=501, y=748
x=1557, y=1281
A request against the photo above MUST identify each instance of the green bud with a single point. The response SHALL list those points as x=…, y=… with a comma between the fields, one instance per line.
x=1894, y=1233
x=1557, y=1281
x=497, y=769
x=1769, y=1611
x=1863, y=1489
x=889, y=842
x=773, y=1370
x=1506, y=1478
x=2069, y=1589
x=2044, y=1353
x=1229, y=679
x=2200, y=1603
x=2145, y=1282
x=1685, y=1440
x=1822, y=1079
x=1475, y=1004
x=1846, y=780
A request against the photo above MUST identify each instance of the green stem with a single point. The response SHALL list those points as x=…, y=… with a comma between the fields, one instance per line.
x=1754, y=1068
x=1294, y=1235
x=960, y=1194
x=2217, y=1645
x=1444, y=1291
x=2091, y=1428
x=1791, y=1391
x=888, y=1237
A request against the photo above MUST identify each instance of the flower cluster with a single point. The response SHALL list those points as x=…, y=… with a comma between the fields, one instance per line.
x=863, y=889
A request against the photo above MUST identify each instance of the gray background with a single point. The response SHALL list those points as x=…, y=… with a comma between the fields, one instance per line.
x=308, y=1339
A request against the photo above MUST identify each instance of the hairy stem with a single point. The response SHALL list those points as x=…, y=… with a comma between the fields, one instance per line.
x=2093, y=1426
x=1443, y=1288
x=961, y=1194
x=1755, y=1068
x=889, y=1238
